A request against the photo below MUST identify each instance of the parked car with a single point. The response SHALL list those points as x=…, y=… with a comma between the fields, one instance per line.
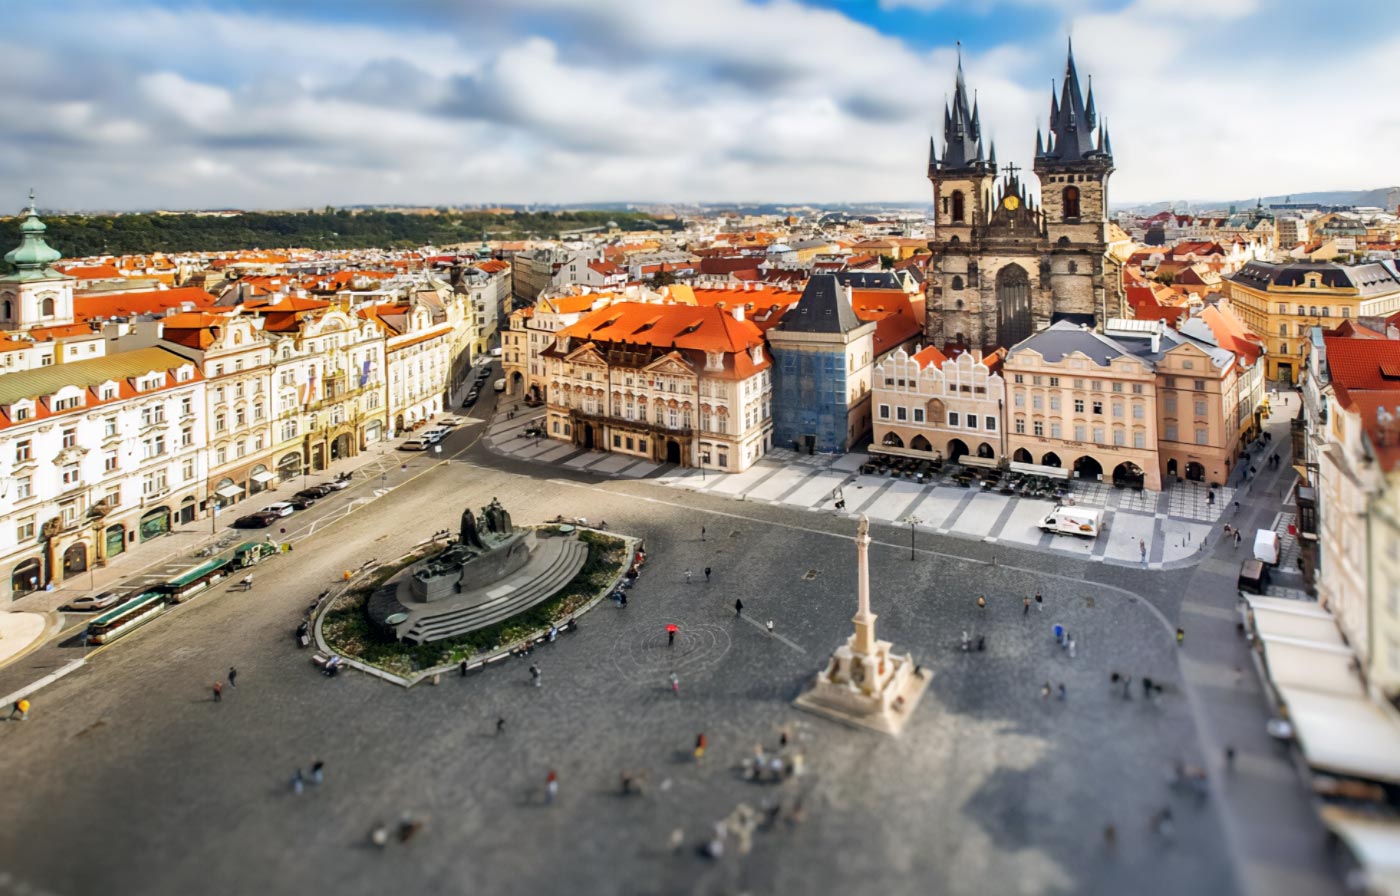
x=314, y=491
x=260, y=520
x=435, y=435
x=91, y=603
x=471, y=398
x=299, y=502
x=281, y=508
x=450, y=422
x=500, y=385
x=338, y=483
x=415, y=444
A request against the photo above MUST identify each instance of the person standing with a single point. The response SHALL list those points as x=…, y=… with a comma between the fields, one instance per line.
x=1039, y=602
x=707, y=574
x=21, y=709
x=232, y=677
x=463, y=667
x=738, y=607
x=675, y=684
x=1045, y=691
x=699, y=746
x=218, y=691
x=551, y=787
x=1180, y=636
x=1026, y=608
x=298, y=782
x=687, y=575
x=535, y=675
x=1142, y=551
x=1062, y=694
x=318, y=772
x=702, y=533
x=770, y=628
x=500, y=726
x=1238, y=538
x=670, y=636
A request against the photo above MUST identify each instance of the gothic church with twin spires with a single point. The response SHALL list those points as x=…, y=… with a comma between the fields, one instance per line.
x=1004, y=265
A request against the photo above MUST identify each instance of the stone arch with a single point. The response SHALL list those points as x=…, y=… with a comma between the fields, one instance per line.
x=957, y=282
x=26, y=577
x=1013, y=305
x=9, y=309
x=959, y=207
x=920, y=443
x=46, y=307
x=956, y=449
x=1050, y=459
x=1086, y=466
x=1022, y=456
x=75, y=559
x=986, y=450
x=892, y=440
x=1128, y=474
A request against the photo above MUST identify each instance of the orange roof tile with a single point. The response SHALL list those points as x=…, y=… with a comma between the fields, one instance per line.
x=126, y=304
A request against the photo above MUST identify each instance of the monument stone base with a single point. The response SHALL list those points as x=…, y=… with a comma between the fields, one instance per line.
x=878, y=691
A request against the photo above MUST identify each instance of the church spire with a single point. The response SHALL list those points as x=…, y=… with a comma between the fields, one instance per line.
x=1072, y=119
x=962, y=127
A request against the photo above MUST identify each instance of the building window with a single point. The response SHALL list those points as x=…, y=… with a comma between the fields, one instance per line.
x=1018, y=378
x=1139, y=439
x=1119, y=437
x=71, y=474
x=971, y=421
x=24, y=488
x=1037, y=402
x=1079, y=432
x=24, y=451
x=1169, y=404
x=901, y=413
x=1200, y=408
x=1117, y=408
x=1170, y=432
x=1054, y=382
x=109, y=461
x=1139, y=411
x=1202, y=437
x=1039, y=428
x=1098, y=435
x=953, y=418
x=1137, y=388
x=991, y=424
x=109, y=427
x=1055, y=431
x=1020, y=426
x=884, y=412
x=1117, y=387
x=70, y=437
x=1098, y=408
x=24, y=529
x=918, y=415
x=1020, y=400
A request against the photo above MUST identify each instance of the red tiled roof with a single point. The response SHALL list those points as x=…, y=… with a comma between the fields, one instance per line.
x=125, y=304
x=91, y=271
x=1362, y=365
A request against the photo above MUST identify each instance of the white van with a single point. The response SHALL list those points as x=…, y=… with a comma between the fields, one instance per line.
x=500, y=385
x=434, y=435
x=1266, y=546
x=1085, y=521
x=415, y=444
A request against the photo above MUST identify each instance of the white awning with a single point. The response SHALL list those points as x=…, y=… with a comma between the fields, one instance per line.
x=1039, y=470
x=262, y=477
x=972, y=460
x=1345, y=735
x=229, y=491
x=1373, y=840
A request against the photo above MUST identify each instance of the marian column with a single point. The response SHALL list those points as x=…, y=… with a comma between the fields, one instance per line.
x=864, y=619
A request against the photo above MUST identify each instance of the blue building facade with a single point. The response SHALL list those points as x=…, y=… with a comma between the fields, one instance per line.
x=809, y=397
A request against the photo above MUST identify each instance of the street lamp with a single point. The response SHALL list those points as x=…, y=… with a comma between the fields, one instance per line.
x=913, y=522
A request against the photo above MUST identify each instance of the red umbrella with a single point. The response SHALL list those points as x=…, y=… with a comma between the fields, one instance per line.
x=672, y=627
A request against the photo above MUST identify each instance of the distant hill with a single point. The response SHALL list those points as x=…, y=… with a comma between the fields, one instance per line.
x=1382, y=197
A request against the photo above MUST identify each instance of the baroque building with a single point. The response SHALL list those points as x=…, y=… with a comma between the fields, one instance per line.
x=1004, y=265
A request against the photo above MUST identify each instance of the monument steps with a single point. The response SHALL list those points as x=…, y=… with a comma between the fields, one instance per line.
x=534, y=585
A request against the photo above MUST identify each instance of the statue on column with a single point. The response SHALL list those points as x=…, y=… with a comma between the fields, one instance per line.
x=470, y=536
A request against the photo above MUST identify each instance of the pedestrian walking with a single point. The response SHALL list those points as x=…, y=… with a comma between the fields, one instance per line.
x=232, y=677
x=1235, y=508
x=1045, y=691
x=1146, y=687
x=1026, y=606
x=298, y=782
x=1061, y=696
x=770, y=628
x=702, y=533
x=1210, y=498
x=1142, y=551
x=966, y=641
x=21, y=709
x=535, y=675
x=707, y=574
x=738, y=607
x=553, y=633
x=1071, y=648
x=551, y=787
x=500, y=726
x=1238, y=538
x=1180, y=636
x=677, y=840
x=1059, y=631
x=1229, y=758
x=783, y=737
x=1039, y=603
x=699, y=746
x=981, y=643
x=318, y=772
x=462, y=667
x=675, y=684
x=670, y=636
x=687, y=576
x=218, y=691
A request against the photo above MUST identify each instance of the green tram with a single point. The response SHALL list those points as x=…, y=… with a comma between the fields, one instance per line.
x=126, y=616
x=189, y=583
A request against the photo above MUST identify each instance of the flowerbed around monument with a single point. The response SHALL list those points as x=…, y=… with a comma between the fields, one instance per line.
x=347, y=630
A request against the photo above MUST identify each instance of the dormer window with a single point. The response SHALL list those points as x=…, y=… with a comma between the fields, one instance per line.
x=714, y=360
x=756, y=353
x=67, y=404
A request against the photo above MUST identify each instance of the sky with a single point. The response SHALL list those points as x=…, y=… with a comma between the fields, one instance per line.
x=140, y=104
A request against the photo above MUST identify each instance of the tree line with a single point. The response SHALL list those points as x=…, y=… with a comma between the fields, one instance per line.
x=128, y=234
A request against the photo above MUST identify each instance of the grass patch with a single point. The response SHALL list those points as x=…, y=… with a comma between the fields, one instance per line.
x=347, y=628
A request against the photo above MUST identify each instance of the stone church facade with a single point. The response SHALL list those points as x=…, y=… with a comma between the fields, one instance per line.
x=1005, y=265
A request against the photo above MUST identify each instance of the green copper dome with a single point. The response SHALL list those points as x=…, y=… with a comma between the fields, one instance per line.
x=33, y=256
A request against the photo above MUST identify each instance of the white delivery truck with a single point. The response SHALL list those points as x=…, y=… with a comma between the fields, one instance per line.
x=1266, y=546
x=1085, y=521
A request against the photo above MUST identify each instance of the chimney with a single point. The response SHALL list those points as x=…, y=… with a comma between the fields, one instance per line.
x=738, y=312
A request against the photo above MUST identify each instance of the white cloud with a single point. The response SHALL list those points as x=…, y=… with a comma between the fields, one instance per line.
x=625, y=99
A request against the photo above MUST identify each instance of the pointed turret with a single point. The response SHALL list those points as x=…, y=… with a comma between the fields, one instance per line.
x=1039, y=144
x=1090, y=115
x=1072, y=120
x=992, y=159
x=962, y=127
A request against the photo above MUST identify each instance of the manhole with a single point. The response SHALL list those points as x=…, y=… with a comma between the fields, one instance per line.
x=809, y=575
